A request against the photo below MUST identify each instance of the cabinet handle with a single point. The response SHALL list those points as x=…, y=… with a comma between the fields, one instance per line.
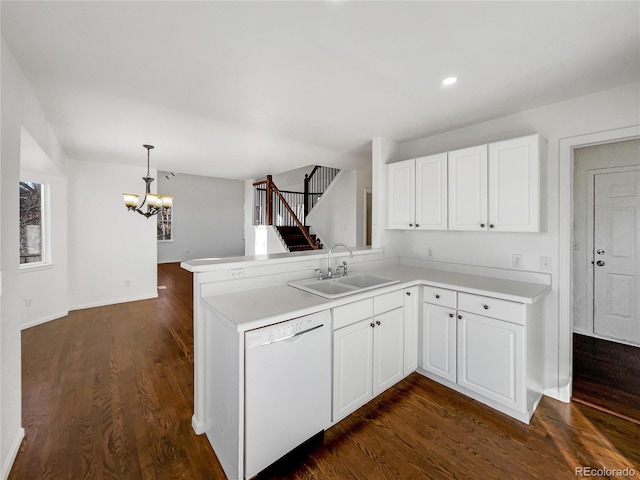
x=417, y=225
x=459, y=317
x=491, y=225
x=451, y=315
x=408, y=294
x=482, y=225
x=373, y=325
x=377, y=322
x=437, y=296
x=411, y=224
x=486, y=307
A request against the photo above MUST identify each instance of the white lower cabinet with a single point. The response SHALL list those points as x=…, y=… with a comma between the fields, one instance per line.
x=438, y=338
x=352, y=367
x=489, y=349
x=491, y=359
x=388, y=358
x=368, y=355
x=411, y=329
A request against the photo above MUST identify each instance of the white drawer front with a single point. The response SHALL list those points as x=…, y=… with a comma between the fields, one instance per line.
x=492, y=307
x=388, y=301
x=352, y=313
x=439, y=296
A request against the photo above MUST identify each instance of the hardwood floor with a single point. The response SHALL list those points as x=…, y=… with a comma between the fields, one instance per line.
x=607, y=374
x=108, y=394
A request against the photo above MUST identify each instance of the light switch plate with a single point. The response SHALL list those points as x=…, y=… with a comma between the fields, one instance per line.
x=545, y=264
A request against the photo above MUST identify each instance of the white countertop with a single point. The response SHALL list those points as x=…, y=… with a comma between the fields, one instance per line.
x=265, y=306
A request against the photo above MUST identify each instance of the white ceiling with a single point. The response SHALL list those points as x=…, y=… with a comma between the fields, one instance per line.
x=242, y=89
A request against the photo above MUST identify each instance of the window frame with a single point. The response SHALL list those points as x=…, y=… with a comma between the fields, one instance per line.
x=169, y=222
x=45, y=228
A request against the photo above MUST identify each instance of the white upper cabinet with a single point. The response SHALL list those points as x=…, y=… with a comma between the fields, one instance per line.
x=494, y=187
x=402, y=194
x=468, y=189
x=514, y=185
x=431, y=192
x=418, y=193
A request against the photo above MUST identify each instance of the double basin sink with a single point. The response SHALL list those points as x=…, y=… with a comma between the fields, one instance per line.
x=342, y=286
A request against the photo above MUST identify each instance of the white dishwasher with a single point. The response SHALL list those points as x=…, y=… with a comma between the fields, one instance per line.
x=287, y=387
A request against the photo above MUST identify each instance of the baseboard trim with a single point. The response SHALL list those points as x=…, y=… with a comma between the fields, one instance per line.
x=112, y=302
x=12, y=453
x=46, y=319
x=198, y=426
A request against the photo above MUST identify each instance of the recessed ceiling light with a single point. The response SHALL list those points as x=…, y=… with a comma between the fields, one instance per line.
x=449, y=81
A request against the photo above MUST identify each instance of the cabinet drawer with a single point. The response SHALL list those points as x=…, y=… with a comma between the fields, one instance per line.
x=388, y=301
x=352, y=313
x=492, y=307
x=439, y=296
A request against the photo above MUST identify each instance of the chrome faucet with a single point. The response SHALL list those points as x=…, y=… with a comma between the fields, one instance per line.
x=329, y=274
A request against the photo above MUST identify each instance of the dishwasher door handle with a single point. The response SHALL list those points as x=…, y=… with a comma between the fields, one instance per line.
x=291, y=336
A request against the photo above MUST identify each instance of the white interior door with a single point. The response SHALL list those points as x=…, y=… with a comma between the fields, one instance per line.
x=616, y=256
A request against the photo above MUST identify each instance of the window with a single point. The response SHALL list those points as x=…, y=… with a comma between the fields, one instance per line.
x=165, y=218
x=32, y=224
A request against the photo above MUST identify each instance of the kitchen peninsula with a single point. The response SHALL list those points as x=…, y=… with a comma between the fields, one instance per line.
x=474, y=329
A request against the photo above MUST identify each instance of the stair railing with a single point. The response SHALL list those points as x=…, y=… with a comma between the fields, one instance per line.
x=315, y=184
x=274, y=198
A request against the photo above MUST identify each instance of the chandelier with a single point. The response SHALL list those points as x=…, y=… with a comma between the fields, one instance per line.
x=155, y=203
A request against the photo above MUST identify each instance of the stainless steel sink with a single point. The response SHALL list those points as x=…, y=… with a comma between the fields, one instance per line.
x=342, y=286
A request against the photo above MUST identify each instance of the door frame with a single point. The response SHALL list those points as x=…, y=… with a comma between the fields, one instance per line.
x=367, y=224
x=566, y=148
x=590, y=233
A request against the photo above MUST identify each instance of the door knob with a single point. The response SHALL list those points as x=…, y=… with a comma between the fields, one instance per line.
x=600, y=263
x=600, y=251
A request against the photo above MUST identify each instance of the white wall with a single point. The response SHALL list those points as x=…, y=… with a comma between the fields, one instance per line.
x=334, y=218
x=47, y=286
x=587, y=160
x=19, y=109
x=108, y=245
x=208, y=216
x=609, y=110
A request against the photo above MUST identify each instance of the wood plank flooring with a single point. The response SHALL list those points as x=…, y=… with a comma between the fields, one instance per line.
x=607, y=374
x=108, y=394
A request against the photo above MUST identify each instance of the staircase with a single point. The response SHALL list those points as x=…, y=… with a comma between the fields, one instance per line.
x=295, y=240
x=287, y=210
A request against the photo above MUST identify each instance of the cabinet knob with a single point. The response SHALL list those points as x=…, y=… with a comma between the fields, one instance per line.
x=411, y=224
x=451, y=315
x=437, y=296
x=417, y=225
x=408, y=294
x=482, y=225
x=372, y=325
x=491, y=225
x=377, y=322
x=460, y=317
x=486, y=307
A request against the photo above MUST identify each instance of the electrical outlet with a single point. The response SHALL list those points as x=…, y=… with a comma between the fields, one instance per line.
x=236, y=273
x=545, y=264
x=516, y=260
x=27, y=302
x=127, y=283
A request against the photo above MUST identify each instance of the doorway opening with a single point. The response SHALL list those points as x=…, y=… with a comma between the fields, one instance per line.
x=606, y=277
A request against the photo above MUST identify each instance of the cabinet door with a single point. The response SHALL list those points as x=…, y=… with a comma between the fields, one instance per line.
x=410, y=330
x=431, y=192
x=514, y=185
x=468, y=188
x=388, y=357
x=438, y=334
x=491, y=359
x=352, y=367
x=402, y=194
